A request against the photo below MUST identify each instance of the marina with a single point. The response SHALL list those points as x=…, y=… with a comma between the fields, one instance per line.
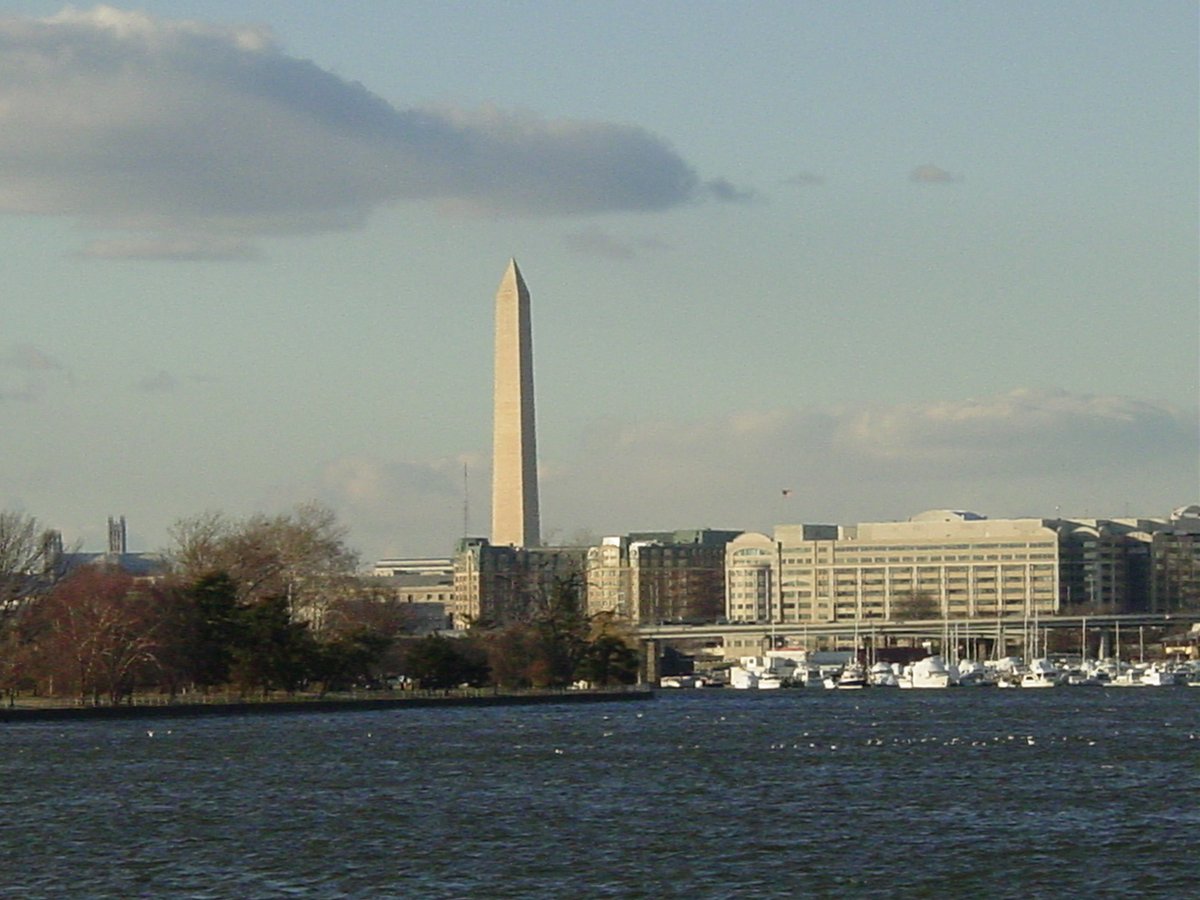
x=781, y=670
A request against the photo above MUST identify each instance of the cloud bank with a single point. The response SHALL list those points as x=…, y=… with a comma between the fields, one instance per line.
x=196, y=138
x=1019, y=453
x=1024, y=452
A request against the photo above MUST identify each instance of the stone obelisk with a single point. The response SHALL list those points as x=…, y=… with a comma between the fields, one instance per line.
x=515, y=518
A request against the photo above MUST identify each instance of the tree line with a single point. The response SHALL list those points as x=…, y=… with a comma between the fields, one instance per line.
x=260, y=605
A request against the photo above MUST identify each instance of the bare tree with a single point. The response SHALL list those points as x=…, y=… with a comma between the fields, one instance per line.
x=198, y=543
x=301, y=555
x=28, y=555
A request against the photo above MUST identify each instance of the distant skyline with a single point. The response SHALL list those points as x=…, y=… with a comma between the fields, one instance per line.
x=788, y=262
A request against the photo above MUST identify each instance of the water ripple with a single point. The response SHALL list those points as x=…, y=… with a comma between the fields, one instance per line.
x=697, y=794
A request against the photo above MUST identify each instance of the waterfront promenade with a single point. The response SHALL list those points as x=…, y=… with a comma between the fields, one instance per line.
x=32, y=709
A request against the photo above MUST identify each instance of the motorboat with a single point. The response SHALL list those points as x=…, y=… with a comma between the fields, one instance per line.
x=852, y=677
x=882, y=675
x=1006, y=672
x=1042, y=673
x=769, y=681
x=683, y=681
x=753, y=673
x=742, y=679
x=930, y=672
x=972, y=673
x=1127, y=677
x=808, y=677
x=1155, y=675
x=1080, y=677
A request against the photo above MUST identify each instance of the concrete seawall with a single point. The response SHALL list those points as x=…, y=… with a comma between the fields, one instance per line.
x=323, y=705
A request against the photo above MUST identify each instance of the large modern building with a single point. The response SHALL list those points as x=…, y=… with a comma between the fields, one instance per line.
x=956, y=564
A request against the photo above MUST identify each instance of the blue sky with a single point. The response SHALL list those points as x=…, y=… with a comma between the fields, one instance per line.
x=889, y=256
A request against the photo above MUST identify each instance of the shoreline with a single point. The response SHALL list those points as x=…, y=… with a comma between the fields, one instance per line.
x=186, y=709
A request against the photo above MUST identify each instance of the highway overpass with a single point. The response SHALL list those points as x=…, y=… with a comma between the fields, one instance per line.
x=1011, y=628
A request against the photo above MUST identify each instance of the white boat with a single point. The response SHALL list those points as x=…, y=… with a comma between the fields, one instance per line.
x=755, y=673
x=1103, y=670
x=1042, y=674
x=972, y=673
x=1131, y=677
x=809, y=678
x=852, y=678
x=1080, y=677
x=742, y=679
x=1005, y=672
x=682, y=681
x=1155, y=675
x=930, y=672
x=882, y=675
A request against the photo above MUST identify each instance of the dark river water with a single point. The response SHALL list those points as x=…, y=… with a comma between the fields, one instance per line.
x=960, y=793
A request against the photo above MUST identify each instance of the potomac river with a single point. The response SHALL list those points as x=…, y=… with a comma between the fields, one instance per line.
x=695, y=794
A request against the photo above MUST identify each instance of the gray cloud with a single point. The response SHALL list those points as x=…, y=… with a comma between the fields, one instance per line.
x=199, y=137
x=27, y=373
x=1023, y=452
x=805, y=179
x=160, y=382
x=727, y=192
x=199, y=248
x=1020, y=431
x=596, y=242
x=930, y=174
x=28, y=358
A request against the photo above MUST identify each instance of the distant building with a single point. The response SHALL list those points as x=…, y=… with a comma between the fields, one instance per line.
x=957, y=564
x=428, y=567
x=1175, y=562
x=659, y=576
x=57, y=561
x=753, y=564
x=501, y=585
x=117, y=543
x=940, y=563
x=425, y=585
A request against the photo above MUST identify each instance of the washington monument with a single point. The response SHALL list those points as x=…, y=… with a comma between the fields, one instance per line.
x=514, y=445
